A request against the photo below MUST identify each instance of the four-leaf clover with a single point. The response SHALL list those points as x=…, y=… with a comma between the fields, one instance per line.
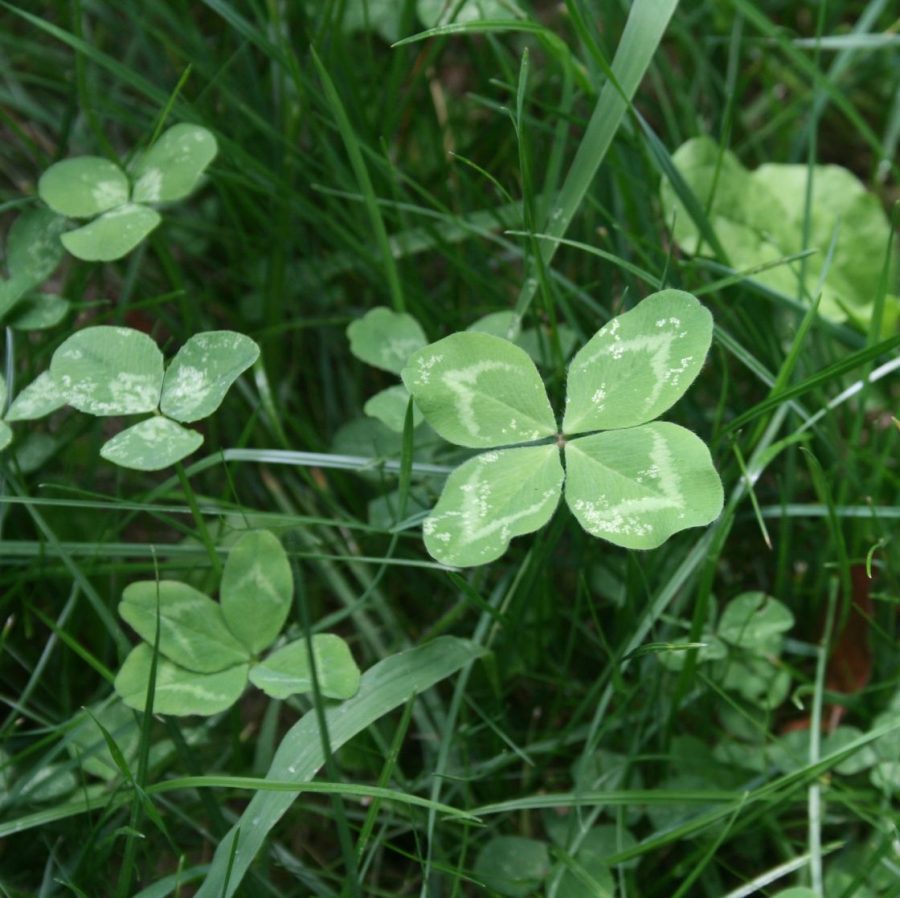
x=96, y=188
x=631, y=482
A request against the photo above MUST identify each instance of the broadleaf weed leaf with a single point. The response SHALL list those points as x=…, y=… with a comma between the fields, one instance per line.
x=257, y=589
x=287, y=671
x=179, y=692
x=109, y=371
x=492, y=498
x=635, y=485
x=151, y=445
x=385, y=339
x=389, y=407
x=203, y=371
x=39, y=399
x=96, y=188
x=38, y=312
x=192, y=629
x=759, y=216
x=479, y=391
x=638, y=365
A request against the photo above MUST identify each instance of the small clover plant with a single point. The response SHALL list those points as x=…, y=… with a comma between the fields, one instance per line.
x=209, y=650
x=634, y=484
x=33, y=252
x=758, y=218
x=121, y=208
x=386, y=339
x=111, y=371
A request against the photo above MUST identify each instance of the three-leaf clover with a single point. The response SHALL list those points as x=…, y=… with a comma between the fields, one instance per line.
x=121, y=208
x=208, y=650
x=110, y=371
x=634, y=484
x=32, y=253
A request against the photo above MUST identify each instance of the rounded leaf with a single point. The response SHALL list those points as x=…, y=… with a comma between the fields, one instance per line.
x=83, y=187
x=151, y=445
x=637, y=487
x=86, y=743
x=203, y=371
x=480, y=391
x=513, y=865
x=639, y=364
x=257, y=589
x=192, y=630
x=109, y=371
x=33, y=249
x=507, y=325
x=171, y=168
x=178, y=691
x=112, y=235
x=6, y=435
x=755, y=622
x=287, y=671
x=38, y=399
x=490, y=499
x=389, y=407
x=39, y=312
x=386, y=339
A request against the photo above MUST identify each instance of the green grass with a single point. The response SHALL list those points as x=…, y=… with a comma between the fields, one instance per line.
x=427, y=176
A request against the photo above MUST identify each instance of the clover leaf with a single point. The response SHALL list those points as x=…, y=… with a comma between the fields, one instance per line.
x=208, y=650
x=110, y=371
x=758, y=218
x=635, y=484
x=95, y=188
x=33, y=251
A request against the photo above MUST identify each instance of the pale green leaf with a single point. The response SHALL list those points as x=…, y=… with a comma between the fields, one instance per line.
x=257, y=589
x=796, y=892
x=38, y=312
x=34, y=450
x=389, y=407
x=33, y=249
x=506, y=325
x=83, y=187
x=637, y=487
x=38, y=399
x=759, y=218
x=203, y=371
x=151, y=445
x=512, y=865
x=287, y=671
x=755, y=621
x=860, y=760
x=178, y=691
x=11, y=292
x=443, y=12
x=587, y=876
x=758, y=679
x=109, y=371
x=639, y=364
x=171, y=168
x=192, y=630
x=112, y=235
x=6, y=435
x=384, y=687
x=49, y=782
x=385, y=339
x=4, y=394
x=480, y=391
x=85, y=740
x=490, y=499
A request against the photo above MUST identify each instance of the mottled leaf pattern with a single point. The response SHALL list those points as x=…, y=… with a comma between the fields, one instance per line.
x=192, y=629
x=152, y=445
x=109, y=371
x=83, y=187
x=113, y=235
x=638, y=365
x=385, y=339
x=172, y=167
x=490, y=499
x=257, y=589
x=178, y=691
x=287, y=671
x=38, y=399
x=203, y=371
x=637, y=487
x=32, y=247
x=480, y=391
